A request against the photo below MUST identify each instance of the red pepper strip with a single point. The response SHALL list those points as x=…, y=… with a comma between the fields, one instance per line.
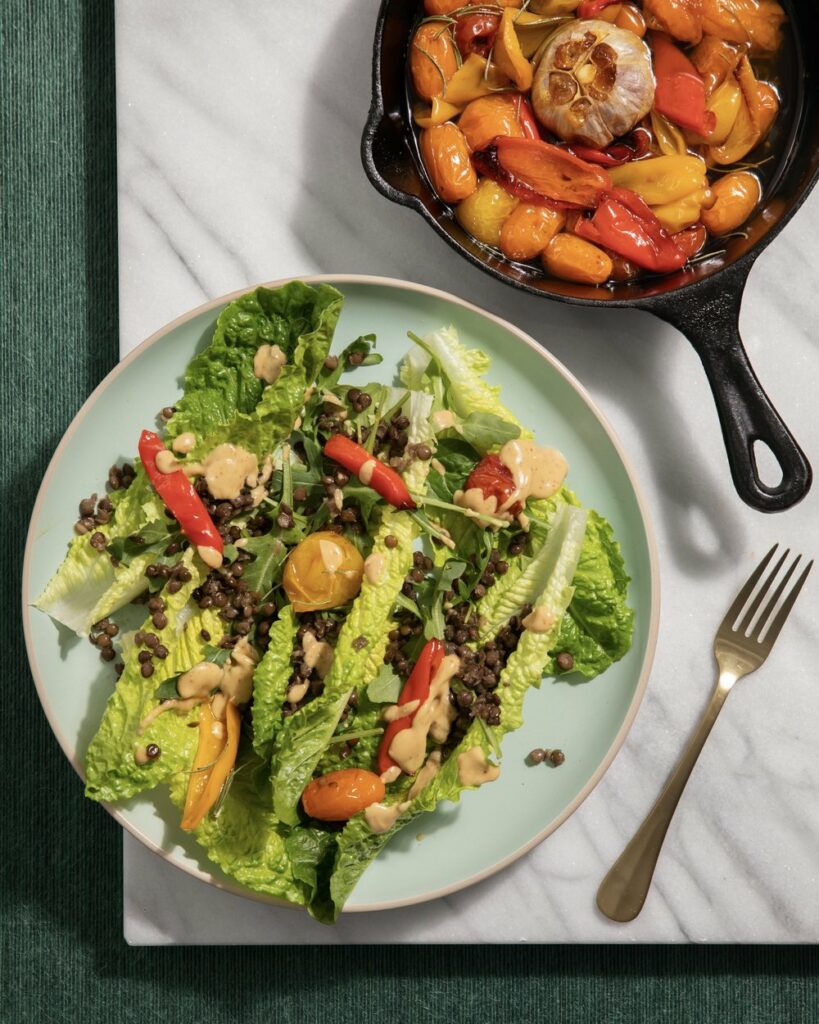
x=383, y=479
x=611, y=156
x=486, y=162
x=591, y=8
x=179, y=496
x=680, y=92
x=624, y=224
x=415, y=688
x=526, y=118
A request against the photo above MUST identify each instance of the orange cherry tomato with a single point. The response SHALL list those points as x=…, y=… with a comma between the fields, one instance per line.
x=433, y=60
x=339, y=795
x=323, y=571
x=488, y=117
x=446, y=157
x=574, y=259
x=737, y=195
x=625, y=16
x=768, y=106
x=528, y=230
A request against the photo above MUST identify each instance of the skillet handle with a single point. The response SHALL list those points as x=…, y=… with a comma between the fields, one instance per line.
x=709, y=318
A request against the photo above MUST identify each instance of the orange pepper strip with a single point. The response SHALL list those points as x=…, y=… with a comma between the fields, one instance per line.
x=553, y=172
x=214, y=746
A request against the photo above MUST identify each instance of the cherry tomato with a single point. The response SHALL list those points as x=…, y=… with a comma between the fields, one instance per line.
x=489, y=116
x=495, y=480
x=737, y=195
x=433, y=60
x=323, y=571
x=528, y=230
x=574, y=259
x=446, y=158
x=339, y=795
x=475, y=33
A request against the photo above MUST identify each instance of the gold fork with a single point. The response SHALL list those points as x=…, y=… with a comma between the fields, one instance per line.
x=739, y=651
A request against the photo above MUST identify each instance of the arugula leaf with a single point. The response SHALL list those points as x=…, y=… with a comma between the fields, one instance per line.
x=269, y=555
x=152, y=538
x=385, y=688
x=363, y=344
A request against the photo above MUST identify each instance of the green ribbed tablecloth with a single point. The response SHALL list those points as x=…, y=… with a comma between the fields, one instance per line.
x=62, y=956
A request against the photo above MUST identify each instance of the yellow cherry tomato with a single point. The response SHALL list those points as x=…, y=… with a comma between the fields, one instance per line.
x=736, y=196
x=323, y=571
x=528, y=230
x=433, y=59
x=482, y=214
x=574, y=259
x=446, y=158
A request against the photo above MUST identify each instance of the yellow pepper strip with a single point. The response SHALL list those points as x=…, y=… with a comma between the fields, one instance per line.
x=439, y=113
x=662, y=179
x=534, y=29
x=684, y=212
x=725, y=103
x=508, y=54
x=747, y=128
x=469, y=82
x=217, y=750
x=669, y=137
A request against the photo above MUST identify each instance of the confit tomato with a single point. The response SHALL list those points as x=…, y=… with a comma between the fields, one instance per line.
x=339, y=795
x=496, y=481
x=323, y=571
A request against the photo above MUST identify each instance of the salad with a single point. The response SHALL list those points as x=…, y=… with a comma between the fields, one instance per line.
x=325, y=600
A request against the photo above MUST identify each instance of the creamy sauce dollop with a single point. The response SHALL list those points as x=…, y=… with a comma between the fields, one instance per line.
x=184, y=443
x=433, y=718
x=474, y=769
x=539, y=620
x=268, y=362
x=381, y=817
x=318, y=654
x=431, y=768
x=395, y=712
x=374, y=565
x=538, y=472
x=181, y=707
x=365, y=474
x=199, y=680
x=237, y=675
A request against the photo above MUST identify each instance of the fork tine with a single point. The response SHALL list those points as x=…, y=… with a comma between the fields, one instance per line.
x=739, y=602
x=777, y=624
x=762, y=621
x=745, y=625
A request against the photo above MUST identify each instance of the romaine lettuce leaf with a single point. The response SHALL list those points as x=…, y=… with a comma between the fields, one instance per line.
x=244, y=838
x=111, y=772
x=220, y=383
x=305, y=734
x=270, y=682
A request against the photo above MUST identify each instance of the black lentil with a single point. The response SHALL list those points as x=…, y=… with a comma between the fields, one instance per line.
x=565, y=662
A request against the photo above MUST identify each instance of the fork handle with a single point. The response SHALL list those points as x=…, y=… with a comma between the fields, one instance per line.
x=623, y=891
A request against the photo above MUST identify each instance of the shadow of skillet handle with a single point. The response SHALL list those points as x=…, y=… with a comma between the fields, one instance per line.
x=707, y=313
x=623, y=891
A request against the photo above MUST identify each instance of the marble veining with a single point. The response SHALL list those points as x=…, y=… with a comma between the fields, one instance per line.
x=238, y=149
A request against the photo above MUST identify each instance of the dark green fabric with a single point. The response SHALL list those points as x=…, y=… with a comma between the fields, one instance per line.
x=62, y=957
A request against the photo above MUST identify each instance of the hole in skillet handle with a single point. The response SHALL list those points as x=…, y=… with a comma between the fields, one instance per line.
x=707, y=313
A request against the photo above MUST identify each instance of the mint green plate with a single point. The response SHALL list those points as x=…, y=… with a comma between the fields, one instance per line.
x=491, y=827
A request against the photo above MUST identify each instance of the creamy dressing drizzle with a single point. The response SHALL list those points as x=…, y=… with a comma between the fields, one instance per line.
x=390, y=775
x=438, y=466
x=166, y=462
x=268, y=362
x=539, y=620
x=395, y=712
x=474, y=769
x=434, y=718
x=318, y=655
x=365, y=474
x=538, y=472
x=237, y=675
x=374, y=565
x=199, y=680
x=210, y=556
x=477, y=506
x=217, y=709
x=227, y=470
x=442, y=420
x=141, y=755
x=297, y=692
x=426, y=775
x=181, y=707
x=381, y=817
x=332, y=555
x=258, y=491
x=184, y=443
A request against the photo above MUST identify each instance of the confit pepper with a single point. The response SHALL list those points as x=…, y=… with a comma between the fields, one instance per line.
x=214, y=761
x=180, y=497
x=415, y=688
x=370, y=471
x=679, y=94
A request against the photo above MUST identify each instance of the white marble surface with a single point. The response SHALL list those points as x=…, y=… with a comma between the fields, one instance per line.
x=239, y=128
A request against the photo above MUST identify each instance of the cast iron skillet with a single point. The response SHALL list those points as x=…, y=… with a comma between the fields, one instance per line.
x=703, y=302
